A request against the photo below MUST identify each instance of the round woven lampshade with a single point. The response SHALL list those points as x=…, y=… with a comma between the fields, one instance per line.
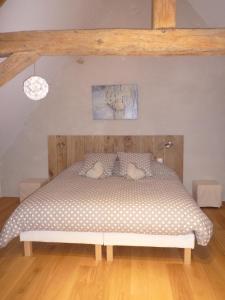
x=36, y=88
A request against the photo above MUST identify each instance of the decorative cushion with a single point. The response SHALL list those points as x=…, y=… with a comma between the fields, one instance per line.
x=134, y=173
x=96, y=171
x=140, y=160
x=107, y=160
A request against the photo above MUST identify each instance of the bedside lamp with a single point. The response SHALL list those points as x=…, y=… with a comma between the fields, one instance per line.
x=169, y=144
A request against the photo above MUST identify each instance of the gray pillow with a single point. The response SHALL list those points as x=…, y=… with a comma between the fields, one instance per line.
x=140, y=160
x=116, y=168
x=107, y=160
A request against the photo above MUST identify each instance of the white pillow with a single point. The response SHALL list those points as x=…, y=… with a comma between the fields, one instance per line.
x=134, y=172
x=96, y=171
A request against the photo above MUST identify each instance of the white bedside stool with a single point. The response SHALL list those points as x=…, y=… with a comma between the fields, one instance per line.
x=207, y=193
x=30, y=185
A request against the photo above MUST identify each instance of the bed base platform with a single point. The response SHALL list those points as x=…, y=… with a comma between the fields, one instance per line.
x=62, y=237
x=186, y=242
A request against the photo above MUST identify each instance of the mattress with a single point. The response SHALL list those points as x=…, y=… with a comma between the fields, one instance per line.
x=156, y=205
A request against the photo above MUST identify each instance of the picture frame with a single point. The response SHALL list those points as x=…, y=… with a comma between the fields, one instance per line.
x=115, y=102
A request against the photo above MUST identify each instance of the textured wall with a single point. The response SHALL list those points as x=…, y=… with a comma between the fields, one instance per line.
x=180, y=95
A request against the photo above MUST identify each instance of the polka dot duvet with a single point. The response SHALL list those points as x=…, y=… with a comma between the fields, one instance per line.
x=153, y=205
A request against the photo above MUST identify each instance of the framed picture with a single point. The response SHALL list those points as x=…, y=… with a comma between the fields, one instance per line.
x=115, y=102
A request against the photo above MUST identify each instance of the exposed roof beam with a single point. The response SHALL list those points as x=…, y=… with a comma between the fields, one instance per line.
x=2, y=2
x=15, y=64
x=163, y=14
x=116, y=42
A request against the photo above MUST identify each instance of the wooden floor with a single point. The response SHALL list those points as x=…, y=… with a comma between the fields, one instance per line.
x=61, y=272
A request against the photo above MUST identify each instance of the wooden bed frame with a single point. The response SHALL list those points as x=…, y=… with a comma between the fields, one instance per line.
x=63, y=151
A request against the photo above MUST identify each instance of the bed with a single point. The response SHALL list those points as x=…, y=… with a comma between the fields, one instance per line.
x=109, y=211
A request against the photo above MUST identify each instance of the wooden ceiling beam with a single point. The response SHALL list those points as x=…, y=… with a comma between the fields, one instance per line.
x=15, y=64
x=116, y=42
x=163, y=14
x=2, y=2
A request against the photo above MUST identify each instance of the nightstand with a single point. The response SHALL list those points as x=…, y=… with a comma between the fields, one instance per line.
x=207, y=193
x=30, y=185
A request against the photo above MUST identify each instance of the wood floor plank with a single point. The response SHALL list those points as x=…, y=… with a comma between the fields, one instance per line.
x=68, y=272
x=198, y=282
x=180, y=285
x=13, y=274
x=150, y=280
x=217, y=217
x=219, y=237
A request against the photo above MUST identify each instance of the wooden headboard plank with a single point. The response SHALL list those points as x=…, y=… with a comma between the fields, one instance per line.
x=173, y=157
x=63, y=151
x=52, y=155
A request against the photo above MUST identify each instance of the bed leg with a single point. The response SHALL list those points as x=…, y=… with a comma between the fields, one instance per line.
x=98, y=252
x=109, y=253
x=27, y=248
x=187, y=256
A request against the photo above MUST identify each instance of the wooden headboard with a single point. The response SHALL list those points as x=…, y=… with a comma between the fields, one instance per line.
x=63, y=150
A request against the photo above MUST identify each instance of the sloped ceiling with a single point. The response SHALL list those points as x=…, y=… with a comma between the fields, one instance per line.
x=15, y=108
x=212, y=12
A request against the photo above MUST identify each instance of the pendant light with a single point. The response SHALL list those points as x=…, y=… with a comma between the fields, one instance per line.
x=35, y=87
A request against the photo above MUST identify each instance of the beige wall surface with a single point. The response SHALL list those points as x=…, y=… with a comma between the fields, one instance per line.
x=179, y=95
x=0, y=178
x=176, y=96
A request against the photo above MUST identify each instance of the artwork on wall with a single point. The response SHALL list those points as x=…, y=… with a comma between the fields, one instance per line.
x=115, y=102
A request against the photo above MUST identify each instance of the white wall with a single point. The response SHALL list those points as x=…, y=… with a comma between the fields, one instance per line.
x=177, y=96
x=180, y=95
x=0, y=180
